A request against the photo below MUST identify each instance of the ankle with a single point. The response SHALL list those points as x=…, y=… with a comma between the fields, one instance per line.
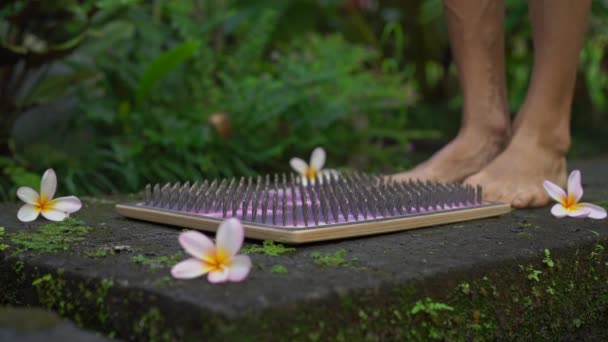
x=546, y=142
x=497, y=135
x=547, y=127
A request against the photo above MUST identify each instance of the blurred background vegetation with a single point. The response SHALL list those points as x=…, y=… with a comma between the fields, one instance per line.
x=116, y=93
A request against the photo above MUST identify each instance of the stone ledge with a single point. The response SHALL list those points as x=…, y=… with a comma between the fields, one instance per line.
x=478, y=279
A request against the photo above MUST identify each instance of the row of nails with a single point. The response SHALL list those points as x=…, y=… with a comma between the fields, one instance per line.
x=349, y=196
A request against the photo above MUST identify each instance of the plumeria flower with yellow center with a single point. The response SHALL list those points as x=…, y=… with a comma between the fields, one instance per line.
x=52, y=209
x=314, y=170
x=568, y=203
x=220, y=262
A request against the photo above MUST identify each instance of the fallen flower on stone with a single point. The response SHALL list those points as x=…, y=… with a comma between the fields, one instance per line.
x=221, y=262
x=314, y=170
x=568, y=202
x=52, y=209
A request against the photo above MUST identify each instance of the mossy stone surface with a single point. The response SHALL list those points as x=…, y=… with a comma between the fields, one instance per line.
x=478, y=280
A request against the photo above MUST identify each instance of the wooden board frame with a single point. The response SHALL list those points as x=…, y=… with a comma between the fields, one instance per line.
x=312, y=234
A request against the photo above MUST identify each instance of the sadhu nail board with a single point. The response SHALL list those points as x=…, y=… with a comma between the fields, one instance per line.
x=295, y=210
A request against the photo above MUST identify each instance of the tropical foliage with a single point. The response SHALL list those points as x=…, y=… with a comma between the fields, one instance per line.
x=113, y=94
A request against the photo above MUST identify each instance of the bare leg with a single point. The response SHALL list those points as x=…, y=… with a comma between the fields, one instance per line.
x=542, y=127
x=476, y=31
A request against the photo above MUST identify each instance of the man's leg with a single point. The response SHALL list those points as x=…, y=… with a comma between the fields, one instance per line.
x=542, y=127
x=476, y=31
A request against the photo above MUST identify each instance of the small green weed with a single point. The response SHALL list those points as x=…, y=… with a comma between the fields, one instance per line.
x=597, y=251
x=533, y=274
x=279, y=269
x=100, y=253
x=268, y=247
x=547, y=260
x=429, y=307
x=2, y=245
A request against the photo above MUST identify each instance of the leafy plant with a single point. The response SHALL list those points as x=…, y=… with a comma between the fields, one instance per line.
x=429, y=307
x=148, y=111
x=115, y=94
x=547, y=260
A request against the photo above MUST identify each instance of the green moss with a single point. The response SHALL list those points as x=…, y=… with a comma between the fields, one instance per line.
x=159, y=262
x=532, y=302
x=163, y=281
x=524, y=235
x=18, y=267
x=268, y=247
x=51, y=237
x=527, y=225
x=100, y=253
x=569, y=296
x=2, y=245
x=149, y=326
x=279, y=269
x=82, y=302
x=336, y=259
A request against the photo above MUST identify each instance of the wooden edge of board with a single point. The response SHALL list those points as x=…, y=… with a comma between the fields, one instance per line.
x=347, y=230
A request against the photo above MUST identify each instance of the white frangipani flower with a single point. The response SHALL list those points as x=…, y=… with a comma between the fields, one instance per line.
x=219, y=261
x=52, y=209
x=568, y=202
x=314, y=170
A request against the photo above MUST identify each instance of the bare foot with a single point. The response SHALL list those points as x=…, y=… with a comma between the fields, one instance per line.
x=465, y=155
x=517, y=174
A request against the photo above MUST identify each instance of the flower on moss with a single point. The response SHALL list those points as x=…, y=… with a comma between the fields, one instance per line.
x=52, y=209
x=568, y=202
x=219, y=261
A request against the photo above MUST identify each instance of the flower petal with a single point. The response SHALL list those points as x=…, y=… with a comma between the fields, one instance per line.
x=188, y=269
x=555, y=191
x=198, y=245
x=239, y=268
x=54, y=215
x=229, y=237
x=218, y=276
x=28, y=195
x=48, y=184
x=575, y=188
x=578, y=211
x=69, y=204
x=28, y=213
x=298, y=165
x=595, y=211
x=559, y=211
x=317, y=158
